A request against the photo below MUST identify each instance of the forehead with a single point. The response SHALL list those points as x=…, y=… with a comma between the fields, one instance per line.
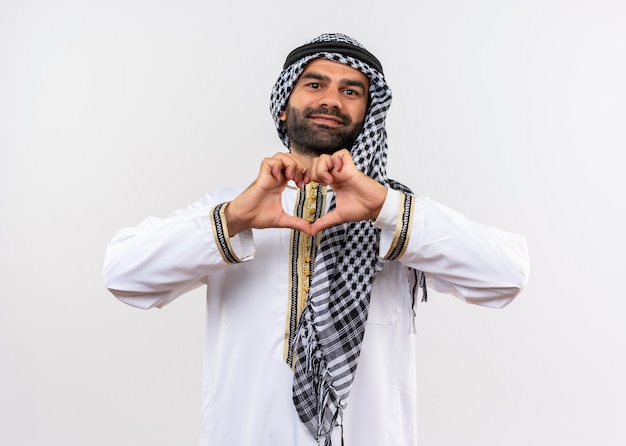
x=335, y=71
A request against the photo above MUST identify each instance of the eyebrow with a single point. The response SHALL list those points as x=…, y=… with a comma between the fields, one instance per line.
x=321, y=77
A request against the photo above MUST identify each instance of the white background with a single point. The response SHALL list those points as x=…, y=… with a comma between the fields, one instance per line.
x=512, y=112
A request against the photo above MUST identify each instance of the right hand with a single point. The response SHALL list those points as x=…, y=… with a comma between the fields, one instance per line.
x=260, y=205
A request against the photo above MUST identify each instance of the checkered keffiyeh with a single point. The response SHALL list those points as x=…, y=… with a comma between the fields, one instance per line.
x=333, y=322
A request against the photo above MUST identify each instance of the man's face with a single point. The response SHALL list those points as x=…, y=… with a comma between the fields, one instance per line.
x=326, y=109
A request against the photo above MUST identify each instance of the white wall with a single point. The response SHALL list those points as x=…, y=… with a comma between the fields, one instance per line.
x=512, y=112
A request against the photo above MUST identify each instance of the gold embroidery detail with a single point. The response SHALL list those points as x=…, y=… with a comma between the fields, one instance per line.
x=301, y=262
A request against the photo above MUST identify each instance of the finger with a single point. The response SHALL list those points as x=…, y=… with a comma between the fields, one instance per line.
x=283, y=166
x=292, y=222
x=337, y=160
x=302, y=178
x=297, y=174
x=321, y=170
x=324, y=222
x=271, y=166
x=291, y=169
x=341, y=159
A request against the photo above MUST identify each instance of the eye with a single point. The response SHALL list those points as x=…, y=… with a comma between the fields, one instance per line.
x=353, y=92
x=314, y=85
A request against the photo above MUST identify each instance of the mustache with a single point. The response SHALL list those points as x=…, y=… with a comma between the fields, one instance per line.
x=308, y=112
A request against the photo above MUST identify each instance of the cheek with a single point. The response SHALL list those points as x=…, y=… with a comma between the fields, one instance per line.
x=358, y=112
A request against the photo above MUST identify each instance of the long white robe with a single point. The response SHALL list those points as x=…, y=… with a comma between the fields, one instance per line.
x=247, y=383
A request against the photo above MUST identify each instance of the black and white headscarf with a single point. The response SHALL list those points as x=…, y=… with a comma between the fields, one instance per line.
x=333, y=322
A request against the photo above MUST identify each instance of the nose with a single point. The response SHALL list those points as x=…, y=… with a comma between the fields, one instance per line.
x=330, y=99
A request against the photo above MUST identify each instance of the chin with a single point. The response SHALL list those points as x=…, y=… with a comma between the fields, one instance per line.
x=316, y=151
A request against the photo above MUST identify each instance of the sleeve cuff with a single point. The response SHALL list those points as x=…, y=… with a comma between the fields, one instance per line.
x=395, y=221
x=236, y=250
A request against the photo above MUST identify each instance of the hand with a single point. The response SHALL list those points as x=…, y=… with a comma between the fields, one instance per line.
x=357, y=196
x=260, y=205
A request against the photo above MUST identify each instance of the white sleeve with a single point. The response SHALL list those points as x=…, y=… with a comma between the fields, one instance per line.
x=160, y=259
x=480, y=264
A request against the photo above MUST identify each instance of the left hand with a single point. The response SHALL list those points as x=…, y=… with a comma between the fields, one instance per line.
x=358, y=197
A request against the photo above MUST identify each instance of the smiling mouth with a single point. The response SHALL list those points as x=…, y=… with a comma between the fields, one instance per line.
x=327, y=120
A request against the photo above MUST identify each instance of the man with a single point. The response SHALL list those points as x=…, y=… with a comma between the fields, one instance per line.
x=312, y=271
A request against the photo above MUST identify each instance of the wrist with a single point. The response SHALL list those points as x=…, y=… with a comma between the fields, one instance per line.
x=379, y=196
x=233, y=224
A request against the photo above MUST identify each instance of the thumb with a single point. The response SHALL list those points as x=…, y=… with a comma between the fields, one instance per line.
x=325, y=221
x=293, y=222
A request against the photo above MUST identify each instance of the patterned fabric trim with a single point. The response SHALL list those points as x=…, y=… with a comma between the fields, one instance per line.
x=403, y=228
x=220, y=233
x=310, y=205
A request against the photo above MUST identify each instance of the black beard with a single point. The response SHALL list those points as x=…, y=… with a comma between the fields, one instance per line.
x=309, y=138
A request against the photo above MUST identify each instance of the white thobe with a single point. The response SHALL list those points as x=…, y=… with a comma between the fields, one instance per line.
x=247, y=383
